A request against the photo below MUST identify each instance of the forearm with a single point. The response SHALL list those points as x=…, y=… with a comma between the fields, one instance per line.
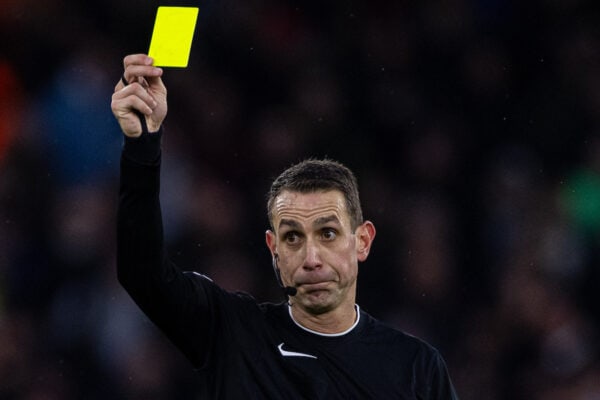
x=165, y=294
x=140, y=253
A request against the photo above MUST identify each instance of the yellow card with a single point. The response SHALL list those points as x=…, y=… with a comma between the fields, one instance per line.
x=172, y=36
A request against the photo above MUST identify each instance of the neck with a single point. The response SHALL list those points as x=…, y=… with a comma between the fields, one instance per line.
x=334, y=322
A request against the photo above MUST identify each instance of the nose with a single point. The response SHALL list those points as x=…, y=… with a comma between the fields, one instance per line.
x=312, y=259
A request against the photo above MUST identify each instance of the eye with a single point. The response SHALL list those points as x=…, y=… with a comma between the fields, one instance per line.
x=291, y=237
x=328, y=234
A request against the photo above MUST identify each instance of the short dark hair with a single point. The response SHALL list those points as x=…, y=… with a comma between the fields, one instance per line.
x=313, y=175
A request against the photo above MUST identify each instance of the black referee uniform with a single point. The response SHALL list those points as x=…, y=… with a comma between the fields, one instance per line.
x=245, y=350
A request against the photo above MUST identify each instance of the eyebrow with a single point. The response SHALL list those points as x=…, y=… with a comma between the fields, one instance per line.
x=318, y=222
x=289, y=222
x=326, y=220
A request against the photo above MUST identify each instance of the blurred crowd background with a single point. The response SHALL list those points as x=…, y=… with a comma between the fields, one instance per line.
x=473, y=128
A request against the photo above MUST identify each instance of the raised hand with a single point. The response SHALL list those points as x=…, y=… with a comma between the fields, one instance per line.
x=144, y=96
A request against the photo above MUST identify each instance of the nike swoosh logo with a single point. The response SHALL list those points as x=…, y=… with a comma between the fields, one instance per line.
x=286, y=353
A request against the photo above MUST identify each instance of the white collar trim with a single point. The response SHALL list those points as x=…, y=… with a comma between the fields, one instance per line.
x=356, y=307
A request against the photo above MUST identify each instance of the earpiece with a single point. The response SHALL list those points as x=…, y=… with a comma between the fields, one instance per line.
x=287, y=290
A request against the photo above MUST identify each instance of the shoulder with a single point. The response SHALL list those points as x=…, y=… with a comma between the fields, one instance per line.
x=422, y=361
x=398, y=341
x=218, y=297
x=236, y=302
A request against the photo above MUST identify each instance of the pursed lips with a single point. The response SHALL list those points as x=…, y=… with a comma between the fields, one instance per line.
x=314, y=285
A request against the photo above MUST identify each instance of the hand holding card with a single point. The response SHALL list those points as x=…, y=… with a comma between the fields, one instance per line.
x=172, y=36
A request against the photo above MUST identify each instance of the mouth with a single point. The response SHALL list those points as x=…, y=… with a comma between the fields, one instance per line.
x=311, y=287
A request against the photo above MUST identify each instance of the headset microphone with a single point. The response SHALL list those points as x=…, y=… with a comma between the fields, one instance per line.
x=287, y=290
x=290, y=290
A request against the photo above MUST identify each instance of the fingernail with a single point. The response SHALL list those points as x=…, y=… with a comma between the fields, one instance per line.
x=149, y=61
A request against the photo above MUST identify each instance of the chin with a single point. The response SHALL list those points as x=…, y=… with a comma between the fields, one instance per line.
x=320, y=304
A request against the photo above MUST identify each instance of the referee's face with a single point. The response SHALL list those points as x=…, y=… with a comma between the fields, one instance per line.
x=317, y=251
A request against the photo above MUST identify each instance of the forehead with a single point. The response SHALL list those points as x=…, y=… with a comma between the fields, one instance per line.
x=309, y=206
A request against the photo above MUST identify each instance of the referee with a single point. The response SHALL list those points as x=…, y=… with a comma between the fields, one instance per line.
x=317, y=345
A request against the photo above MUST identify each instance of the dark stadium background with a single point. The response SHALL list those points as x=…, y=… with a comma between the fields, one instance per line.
x=473, y=127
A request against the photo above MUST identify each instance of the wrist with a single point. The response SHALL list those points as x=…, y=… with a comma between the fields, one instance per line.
x=144, y=149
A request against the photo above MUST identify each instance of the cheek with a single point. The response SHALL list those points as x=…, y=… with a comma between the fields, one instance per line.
x=289, y=262
x=343, y=259
x=349, y=250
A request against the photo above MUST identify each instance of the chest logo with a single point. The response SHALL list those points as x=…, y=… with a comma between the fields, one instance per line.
x=286, y=353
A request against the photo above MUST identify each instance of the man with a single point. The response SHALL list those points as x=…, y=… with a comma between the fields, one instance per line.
x=319, y=344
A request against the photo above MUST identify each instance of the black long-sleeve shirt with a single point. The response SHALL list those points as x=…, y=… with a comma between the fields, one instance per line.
x=246, y=350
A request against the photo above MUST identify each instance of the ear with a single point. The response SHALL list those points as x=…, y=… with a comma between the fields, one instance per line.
x=271, y=241
x=365, y=234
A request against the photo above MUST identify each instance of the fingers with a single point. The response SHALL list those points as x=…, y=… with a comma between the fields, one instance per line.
x=129, y=103
x=136, y=59
x=134, y=72
x=138, y=67
x=134, y=96
x=125, y=103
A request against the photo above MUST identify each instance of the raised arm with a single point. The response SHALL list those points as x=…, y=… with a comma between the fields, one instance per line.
x=188, y=307
x=139, y=104
x=172, y=299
